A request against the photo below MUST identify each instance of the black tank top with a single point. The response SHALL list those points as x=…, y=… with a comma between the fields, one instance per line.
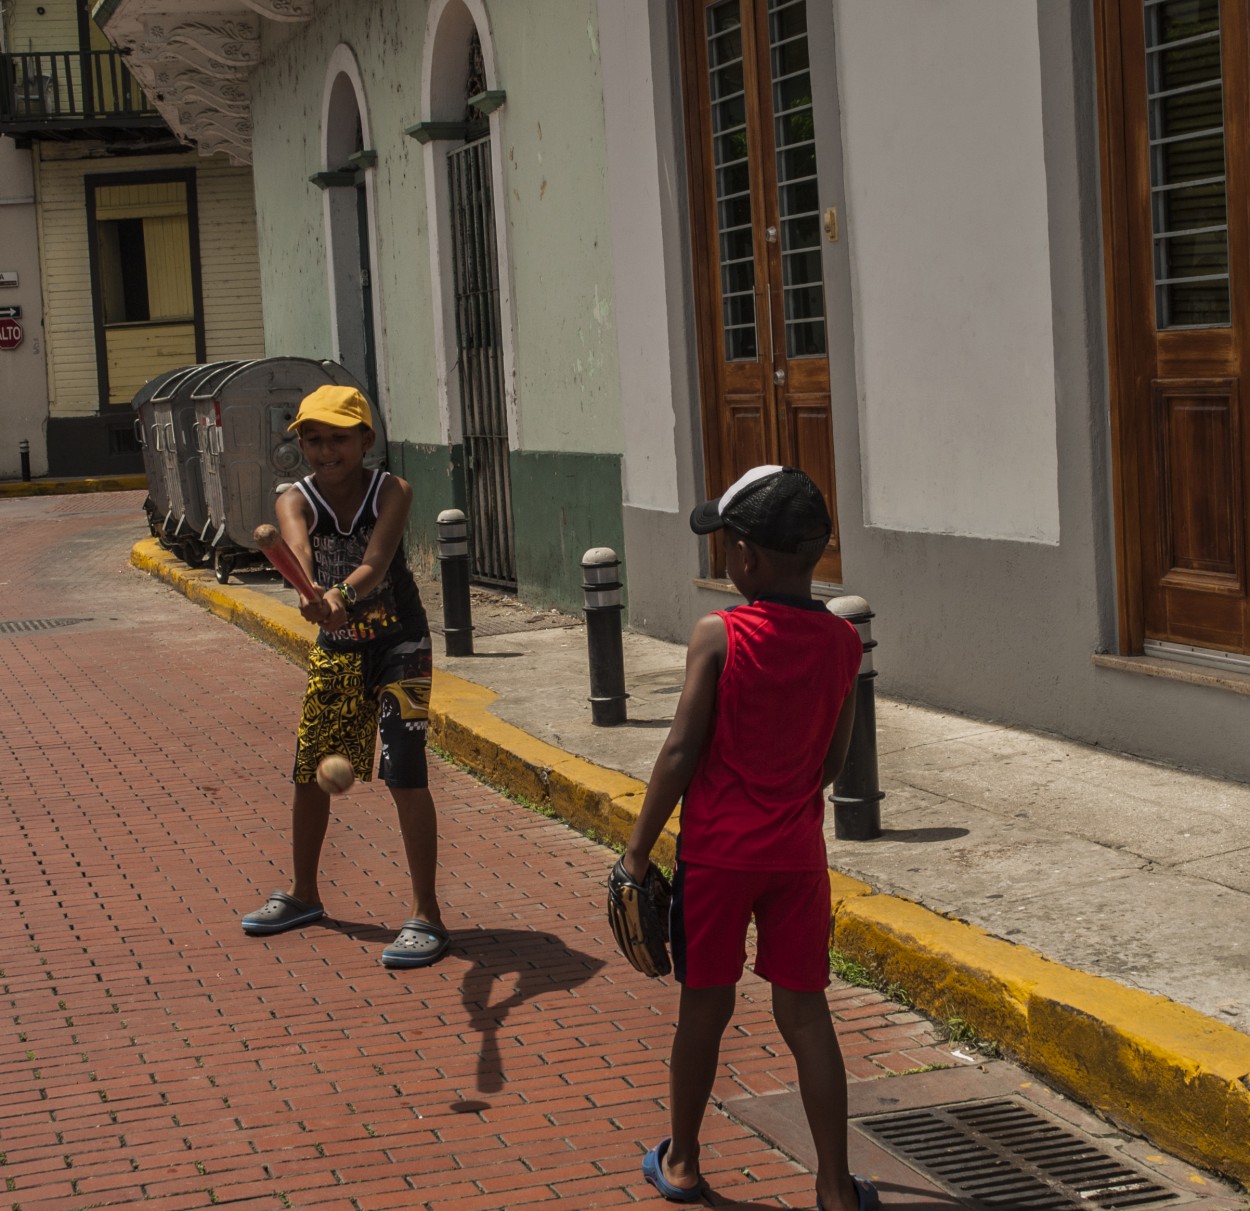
x=393, y=611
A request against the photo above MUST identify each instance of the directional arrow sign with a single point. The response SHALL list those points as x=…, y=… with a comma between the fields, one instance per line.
x=13, y=312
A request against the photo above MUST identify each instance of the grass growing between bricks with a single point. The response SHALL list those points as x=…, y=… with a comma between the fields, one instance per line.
x=954, y=1029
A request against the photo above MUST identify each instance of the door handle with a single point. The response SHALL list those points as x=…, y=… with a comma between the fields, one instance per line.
x=779, y=377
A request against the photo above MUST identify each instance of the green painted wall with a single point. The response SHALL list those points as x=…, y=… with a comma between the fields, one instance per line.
x=552, y=142
x=562, y=505
x=564, y=391
x=287, y=90
x=555, y=156
x=436, y=476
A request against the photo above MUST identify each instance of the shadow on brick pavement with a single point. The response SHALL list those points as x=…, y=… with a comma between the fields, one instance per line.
x=156, y=1055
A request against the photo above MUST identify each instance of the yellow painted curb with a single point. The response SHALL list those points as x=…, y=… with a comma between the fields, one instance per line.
x=1160, y=1068
x=272, y=622
x=1164, y=1069
x=600, y=802
x=62, y=487
x=594, y=800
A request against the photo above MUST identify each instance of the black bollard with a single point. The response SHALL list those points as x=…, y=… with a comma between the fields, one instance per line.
x=856, y=794
x=453, y=560
x=23, y=450
x=601, y=586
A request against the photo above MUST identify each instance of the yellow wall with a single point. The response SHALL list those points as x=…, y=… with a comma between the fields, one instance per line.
x=57, y=29
x=139, y=352
x=149, y=200
x=169, y=267
x=230, y=273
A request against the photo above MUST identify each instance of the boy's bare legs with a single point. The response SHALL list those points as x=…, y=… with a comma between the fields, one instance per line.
x=701, y=1020
x=418, y=822
x=807, y=1027
x=310, y=817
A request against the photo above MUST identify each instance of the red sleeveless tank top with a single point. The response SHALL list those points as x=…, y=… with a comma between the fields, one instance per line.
x=755, y=801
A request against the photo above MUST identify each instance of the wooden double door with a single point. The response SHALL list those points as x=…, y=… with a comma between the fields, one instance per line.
x=1175, y=89
x=758, y=227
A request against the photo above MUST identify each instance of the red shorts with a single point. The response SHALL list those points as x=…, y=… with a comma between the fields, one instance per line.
x=712, y=908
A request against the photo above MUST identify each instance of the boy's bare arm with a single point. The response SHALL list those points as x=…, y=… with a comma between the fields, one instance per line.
x=840, y=745
x=293, y=516
x=680, y=752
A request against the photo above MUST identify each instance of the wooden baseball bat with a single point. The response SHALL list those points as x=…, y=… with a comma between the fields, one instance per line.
x=274, y=548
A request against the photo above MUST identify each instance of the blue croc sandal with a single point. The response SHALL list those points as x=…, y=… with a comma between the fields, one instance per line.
x=869, y=1200
x=653, y=1171
x=418, y=944
x=281, y=912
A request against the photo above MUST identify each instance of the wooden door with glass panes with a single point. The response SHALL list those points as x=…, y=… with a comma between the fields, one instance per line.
x=758, y=226
x=1175, y=80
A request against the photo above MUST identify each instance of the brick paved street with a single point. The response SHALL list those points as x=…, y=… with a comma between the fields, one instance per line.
x=153, y=1054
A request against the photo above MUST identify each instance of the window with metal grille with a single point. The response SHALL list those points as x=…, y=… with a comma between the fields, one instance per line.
x=798, y=194
x=1188, y=183
x=727, y=88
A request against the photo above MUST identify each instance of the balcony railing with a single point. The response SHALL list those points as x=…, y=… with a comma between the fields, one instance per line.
x=62, y=91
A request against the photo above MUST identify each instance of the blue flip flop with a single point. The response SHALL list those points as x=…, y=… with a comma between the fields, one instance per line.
x=653, y=1171
x=280, y=913
x=869, y=1199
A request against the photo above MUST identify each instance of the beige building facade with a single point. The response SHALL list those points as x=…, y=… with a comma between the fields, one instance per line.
x=145, y=252
x=976, y=266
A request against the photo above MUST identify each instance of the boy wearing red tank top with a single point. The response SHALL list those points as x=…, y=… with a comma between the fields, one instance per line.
x=762, y=727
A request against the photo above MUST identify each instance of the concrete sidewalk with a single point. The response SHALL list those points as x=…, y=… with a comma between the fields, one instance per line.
x=1088, y=912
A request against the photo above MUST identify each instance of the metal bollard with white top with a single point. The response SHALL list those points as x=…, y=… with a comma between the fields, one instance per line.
x=857, y=792
x=601, y=586
x=453, y=559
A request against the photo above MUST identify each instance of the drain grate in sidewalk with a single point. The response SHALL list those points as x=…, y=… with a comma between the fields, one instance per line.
x=1000, y=1155
x=24, y=626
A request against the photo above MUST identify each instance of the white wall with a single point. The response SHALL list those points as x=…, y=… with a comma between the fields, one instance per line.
x=947, y=221
x=649, y=473
x=23, y=381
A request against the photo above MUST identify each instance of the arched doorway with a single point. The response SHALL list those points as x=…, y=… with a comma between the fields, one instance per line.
x=479, y=342
x=348, y=164
x=468, y=256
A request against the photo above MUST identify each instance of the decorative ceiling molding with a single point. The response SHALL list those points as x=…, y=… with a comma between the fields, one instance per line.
x=233, y=44
x=194, y=59
x=197, y=119
x=169, y=65
x=201, y=98
x=282, y=10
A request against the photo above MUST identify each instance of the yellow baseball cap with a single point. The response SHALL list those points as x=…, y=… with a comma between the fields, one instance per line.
x=344, y=407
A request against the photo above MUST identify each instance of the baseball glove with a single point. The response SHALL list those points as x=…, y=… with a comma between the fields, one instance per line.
x=638, y=914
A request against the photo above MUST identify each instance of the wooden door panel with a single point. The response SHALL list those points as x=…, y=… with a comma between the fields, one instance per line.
x=1175, y=94
x=807, y=375
x=745, y=434
x=1199, y=486
x=808, y=445
x=1217, y=624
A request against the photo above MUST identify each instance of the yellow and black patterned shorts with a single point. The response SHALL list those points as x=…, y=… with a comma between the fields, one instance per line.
x=349, y=693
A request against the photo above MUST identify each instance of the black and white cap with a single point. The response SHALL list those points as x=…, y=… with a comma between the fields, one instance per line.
x=778, y=508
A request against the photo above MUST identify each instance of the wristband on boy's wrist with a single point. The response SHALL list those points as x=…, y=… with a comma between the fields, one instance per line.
x=346, y=591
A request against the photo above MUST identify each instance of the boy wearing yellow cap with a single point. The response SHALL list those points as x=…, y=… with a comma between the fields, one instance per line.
x=369, y=670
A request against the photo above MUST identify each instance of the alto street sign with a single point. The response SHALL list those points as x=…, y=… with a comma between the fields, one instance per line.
x=10, y=334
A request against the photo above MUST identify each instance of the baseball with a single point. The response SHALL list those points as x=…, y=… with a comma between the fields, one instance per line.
x=335, y=774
